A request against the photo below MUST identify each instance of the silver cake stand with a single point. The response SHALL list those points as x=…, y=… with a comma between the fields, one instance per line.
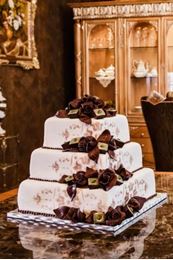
x=155, y=202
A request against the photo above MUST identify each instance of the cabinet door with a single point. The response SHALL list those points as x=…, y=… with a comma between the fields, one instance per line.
x=100, y=59
x=168, y=32
x=142, y=61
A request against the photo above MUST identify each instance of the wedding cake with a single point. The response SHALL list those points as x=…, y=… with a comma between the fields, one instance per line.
x=87, y=170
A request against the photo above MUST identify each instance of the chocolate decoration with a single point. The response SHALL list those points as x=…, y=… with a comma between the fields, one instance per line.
x=80, y=179
x=61, y=114
x=86, y=108
x=114, y=216
x=107, y=179
x=73, y=113
x=71, y=190
x=99, y=218
x=93, y=183
x=124, y=173
x=90, y=145
x=91, y=173
x=136, y=203
x=74, y=104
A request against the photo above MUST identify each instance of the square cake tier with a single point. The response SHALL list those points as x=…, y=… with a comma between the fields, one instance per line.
x=51, y=164
x=43, y=197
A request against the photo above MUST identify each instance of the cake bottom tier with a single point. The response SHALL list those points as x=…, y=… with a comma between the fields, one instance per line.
x=43, y=197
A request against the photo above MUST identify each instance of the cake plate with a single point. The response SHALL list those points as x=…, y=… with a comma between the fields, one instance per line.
x=17, y=217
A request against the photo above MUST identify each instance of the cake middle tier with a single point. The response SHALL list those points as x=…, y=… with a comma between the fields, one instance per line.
x=60, y=130
x=51, y=164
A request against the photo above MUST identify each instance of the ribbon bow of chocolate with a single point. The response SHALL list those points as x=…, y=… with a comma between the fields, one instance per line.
x=105, y=143
x=93, y=179
x=113, y=216
x=86, y=108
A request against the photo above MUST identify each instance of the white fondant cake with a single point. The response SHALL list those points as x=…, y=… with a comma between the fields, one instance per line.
x=50, y=164
x=44, y=197
x=42, y=193
x=60, y=130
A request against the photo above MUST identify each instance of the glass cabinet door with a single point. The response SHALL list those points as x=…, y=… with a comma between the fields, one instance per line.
x=169, y=55
x=100, y=60
x=142, y=61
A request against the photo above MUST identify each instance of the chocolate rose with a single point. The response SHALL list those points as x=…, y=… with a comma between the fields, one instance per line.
x=80, y=179
x=87, y=109
x=115, y=216
x=107, y=179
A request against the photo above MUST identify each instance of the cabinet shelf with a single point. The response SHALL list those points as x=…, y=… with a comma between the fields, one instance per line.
x=144, y=47
x=146, y=77
x=101, y=49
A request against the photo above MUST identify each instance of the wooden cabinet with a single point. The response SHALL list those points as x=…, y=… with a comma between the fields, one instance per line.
x=123, y=51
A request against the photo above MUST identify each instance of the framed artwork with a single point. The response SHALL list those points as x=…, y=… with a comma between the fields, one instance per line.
x=17, y=42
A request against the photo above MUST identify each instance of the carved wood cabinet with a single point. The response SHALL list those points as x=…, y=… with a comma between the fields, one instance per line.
x=123, y=51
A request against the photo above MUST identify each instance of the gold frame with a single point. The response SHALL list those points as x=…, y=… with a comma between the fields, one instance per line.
x=29, y=59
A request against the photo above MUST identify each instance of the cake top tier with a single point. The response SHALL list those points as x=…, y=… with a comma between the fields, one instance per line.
x=86, y=108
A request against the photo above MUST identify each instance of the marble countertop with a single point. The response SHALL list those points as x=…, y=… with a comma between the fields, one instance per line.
x=151, y=237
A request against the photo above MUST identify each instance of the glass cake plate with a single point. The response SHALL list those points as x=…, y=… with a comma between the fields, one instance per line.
x=17, y=217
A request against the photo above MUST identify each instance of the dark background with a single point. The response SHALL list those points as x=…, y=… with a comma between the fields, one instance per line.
x=34, y=95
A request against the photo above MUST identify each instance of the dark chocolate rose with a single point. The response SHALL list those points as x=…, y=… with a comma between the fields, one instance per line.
x=87, y=109
x=115, y=216
x=91, y=143
x=80, y=179
x=107, y=179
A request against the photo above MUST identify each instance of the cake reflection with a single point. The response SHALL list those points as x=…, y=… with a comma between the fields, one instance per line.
x=48, y=242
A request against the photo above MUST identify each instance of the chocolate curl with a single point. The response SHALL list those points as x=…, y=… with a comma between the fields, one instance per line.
x=91, y=173
x=115, y=216
x=107, y=179
x=105, y=137
x=71, y=190
x=94, y=154
x=136, y=203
